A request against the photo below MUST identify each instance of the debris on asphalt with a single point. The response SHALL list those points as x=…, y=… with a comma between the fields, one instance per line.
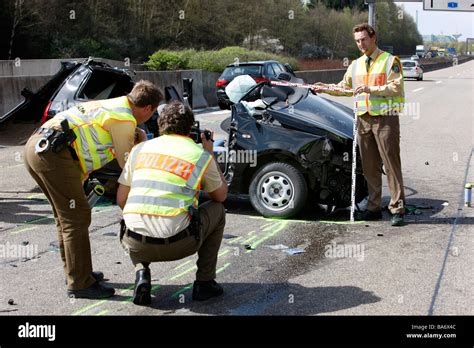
x=445, y=204
x=118, y=263
x=11, y=302
x=25, y=242
x=367, y=226
x=427, y=163
x=380, y=234
x=277, y=247
x=248, y=247
x=294, y=251
x=229, y=236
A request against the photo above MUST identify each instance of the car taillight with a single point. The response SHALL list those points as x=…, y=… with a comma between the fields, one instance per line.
x=261, y=79
x=221, y=83
x=45, y=114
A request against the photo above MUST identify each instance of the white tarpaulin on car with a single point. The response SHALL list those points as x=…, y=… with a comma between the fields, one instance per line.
x=237, y=88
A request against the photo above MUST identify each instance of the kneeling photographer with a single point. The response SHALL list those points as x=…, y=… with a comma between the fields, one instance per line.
x=158, y=193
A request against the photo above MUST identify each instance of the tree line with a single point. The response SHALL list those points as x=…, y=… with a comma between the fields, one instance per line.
x=134, y=29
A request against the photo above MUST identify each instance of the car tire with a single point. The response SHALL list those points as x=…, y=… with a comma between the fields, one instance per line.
x=420, y=78
x=289, y=190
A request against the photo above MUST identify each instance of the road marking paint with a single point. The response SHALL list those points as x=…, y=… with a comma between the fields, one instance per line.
x=103, y=312
x=37, y=196
x=39, y=219
x=183, y=264
x=248, y=239
x=183, y=273
x=223, y=268
x=24, y=229
x=85, y=309
x=16, y=165
x=277, y=220
x=223, y=252
x=184, y=289
x=418, y=89
x=438, y=81
x=341, y=222
x=234, y=239
x=281, y=226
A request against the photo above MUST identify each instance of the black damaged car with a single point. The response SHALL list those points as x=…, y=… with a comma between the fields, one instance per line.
x=296, y=149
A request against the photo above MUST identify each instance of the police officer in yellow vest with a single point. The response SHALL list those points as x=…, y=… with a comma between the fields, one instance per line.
x=61, y=154
x=377, y=80
x=159, y=190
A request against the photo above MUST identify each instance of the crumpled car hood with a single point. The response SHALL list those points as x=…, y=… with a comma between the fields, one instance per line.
x=319, y=112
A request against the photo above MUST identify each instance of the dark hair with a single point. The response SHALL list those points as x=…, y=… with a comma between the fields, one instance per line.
x=145, y=93
x=364, y=27
x=176, y=118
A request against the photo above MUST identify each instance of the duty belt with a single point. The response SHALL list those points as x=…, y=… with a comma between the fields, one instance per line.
x=152, y=240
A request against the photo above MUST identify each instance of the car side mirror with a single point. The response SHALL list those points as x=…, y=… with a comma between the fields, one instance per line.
x=284, y=76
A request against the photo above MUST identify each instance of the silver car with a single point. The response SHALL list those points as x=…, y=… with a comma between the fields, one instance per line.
x=412, y=69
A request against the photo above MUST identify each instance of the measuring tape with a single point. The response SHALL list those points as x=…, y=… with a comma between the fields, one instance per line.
x=310, y=86
x=354, y=130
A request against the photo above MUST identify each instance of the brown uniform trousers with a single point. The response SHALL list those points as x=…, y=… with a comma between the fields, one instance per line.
x=379, y=141
x=59, y=177
x=212, y=228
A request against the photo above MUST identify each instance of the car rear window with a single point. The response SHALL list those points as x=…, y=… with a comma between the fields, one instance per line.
x=104, y=85
x=233, y=71
x=409, y=64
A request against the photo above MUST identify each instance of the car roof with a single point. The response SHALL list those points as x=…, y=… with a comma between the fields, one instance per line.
x=257, y=62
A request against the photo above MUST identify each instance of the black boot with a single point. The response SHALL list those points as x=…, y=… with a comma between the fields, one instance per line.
x=204, y=290
x=95, y=291
x=142, y=292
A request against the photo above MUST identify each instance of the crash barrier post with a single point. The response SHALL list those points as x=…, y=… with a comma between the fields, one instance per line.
x=188, y=90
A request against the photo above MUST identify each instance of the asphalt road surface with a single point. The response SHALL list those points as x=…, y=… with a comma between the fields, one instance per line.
x=364, y=268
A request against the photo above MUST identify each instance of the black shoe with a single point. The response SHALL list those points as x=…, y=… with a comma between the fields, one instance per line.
x=369, y=215
x=95, y=291
x=397, y=220
x=205, y=290
x=98, y=276
x=142, y=292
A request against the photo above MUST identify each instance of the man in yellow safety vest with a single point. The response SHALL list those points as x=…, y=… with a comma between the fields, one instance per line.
x=159, y=191
x=377, y=80
x=61, y=154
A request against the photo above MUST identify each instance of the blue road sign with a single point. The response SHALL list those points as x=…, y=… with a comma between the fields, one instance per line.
x=452, y=4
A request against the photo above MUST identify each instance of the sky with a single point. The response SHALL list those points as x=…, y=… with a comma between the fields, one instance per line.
x=441, y=22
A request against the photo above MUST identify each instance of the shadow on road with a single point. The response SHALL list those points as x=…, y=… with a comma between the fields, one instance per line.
x=262, y=299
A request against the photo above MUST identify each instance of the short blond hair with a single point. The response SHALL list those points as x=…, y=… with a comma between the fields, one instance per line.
x=145, y=93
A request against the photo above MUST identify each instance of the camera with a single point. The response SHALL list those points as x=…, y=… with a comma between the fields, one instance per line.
x=196, y=133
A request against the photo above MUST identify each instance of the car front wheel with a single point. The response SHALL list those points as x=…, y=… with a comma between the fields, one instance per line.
x=278, y=190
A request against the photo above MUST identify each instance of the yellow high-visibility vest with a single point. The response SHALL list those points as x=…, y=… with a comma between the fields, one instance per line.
x=376, y=76
x=166, y=176
x=93, y=144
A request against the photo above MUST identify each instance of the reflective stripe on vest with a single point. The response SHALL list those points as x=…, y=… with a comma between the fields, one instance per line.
x=376, y=76
x=166, y=176
x=93, y=144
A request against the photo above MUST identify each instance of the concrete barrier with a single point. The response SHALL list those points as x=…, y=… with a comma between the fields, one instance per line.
x=34, y=67
x=10, y=89
x=33, y=74
x=175, y=78
x=326, y=76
